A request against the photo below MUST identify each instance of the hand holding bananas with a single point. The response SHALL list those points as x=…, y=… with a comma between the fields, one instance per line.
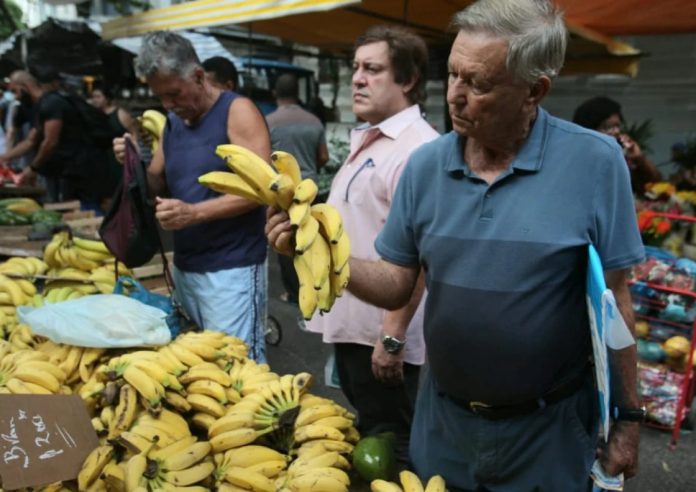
x=152, y=122
x=315, y=232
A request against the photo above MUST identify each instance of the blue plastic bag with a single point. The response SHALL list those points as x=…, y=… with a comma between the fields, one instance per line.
x=139, y=292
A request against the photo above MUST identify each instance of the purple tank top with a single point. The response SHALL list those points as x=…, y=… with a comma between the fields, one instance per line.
x=190, y=152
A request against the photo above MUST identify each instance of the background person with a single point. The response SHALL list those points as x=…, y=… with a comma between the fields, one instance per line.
x=297, y=131
x=378, y=353
x=219, y=247
x=499, y=213
x=604, y=115
x=221, y=73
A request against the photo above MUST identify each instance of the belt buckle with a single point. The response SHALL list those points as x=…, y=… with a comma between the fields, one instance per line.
x=477, y=406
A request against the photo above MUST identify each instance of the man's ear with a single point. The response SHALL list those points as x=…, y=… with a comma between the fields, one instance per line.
x=539, y=89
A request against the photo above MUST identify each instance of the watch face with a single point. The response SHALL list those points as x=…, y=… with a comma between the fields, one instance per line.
x=392, y=345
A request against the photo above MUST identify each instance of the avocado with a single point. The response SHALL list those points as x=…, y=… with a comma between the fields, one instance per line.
x=373, y=457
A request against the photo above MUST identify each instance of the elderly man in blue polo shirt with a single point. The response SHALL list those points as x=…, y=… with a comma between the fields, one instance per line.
x=500, y=213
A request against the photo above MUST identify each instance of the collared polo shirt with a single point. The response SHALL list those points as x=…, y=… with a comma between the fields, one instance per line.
x=506, y=315
x=362, y=191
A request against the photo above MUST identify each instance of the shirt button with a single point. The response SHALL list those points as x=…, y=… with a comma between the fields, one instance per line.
x=488, y=194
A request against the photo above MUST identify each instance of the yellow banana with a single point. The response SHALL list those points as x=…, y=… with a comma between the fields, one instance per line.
x=340, y=281
x=231, y=421
x=36, y=376
x=114, y=477
x=436, y=484
x=177, y=402
x=125, y=412
x=250, y=455
x=134, y=470
x=15, y=292
x=92, y=255
x=330, y=222
x=325, y=483
x=298, y=213
x=170, y=422
x=384, y=486
x=208, y=387
x=174, y=448
x=340, y=252
x=187, y=457
x=27, y=287
x=202, y=420
x=306, y=191
x=307, y=295
x=306, y=234
x=301, y=382
x=319, y=260
x=93, y=466
x=185, y=355
x=150, y=389
x=250, y=167
x=206, y=404
x=48, y=367
x=201, y=347
x=234, y=439
x=270, y=469
x=249, y=479
x=410, y=481
x=336, y=421
x=233, y=184
x=191, y=475
x=285, y=163
x=91, y=245
x=158, y=373
x=206, y=371
x=325, y=297
x=284, y=189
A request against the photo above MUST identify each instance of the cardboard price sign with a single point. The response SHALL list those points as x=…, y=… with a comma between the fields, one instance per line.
x=43, y=439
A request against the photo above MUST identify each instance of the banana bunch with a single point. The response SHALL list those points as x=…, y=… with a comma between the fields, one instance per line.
x=251, y=464
x=409, y=483
x=26, y=267
x=268, y=412
x=317, y=469
x=29, y=372
x=15, y=292
x=83, y=254
x=249, y=377
x=21, y=337
x=321, y=246
x=22, y=205
x=153, y=122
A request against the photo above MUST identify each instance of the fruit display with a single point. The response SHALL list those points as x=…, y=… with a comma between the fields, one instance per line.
x=24, y=211
x=322, y=248
x=409, y=483
x=195, y=414
x=71, y=268
x=153, y=123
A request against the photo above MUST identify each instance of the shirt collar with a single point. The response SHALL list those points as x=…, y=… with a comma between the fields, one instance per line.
x=395, y=124
x=529, y=158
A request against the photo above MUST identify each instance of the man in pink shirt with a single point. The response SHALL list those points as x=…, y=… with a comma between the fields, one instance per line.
x=378, y=352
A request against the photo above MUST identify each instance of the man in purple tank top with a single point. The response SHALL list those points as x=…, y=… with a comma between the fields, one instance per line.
x=219, y=246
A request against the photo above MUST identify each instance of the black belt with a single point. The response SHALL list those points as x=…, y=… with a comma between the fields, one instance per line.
x=509, y=411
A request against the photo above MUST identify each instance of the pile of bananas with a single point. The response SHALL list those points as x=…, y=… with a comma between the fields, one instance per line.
x=409, y=483
x=195, y=414
x=153, y=123
x=322, y=247
x=17, y=291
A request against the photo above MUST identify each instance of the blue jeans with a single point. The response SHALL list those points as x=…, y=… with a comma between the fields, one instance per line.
x=550, y=450
x=232, y=301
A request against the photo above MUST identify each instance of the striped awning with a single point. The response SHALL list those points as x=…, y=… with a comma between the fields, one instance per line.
x=209, y=13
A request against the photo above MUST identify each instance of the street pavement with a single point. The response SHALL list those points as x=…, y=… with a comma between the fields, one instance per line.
x=662, y=469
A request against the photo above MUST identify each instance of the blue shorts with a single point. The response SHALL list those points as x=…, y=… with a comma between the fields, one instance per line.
x=232, y=301
x=550, y=450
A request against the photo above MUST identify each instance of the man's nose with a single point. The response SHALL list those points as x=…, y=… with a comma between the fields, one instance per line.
x=359, y=77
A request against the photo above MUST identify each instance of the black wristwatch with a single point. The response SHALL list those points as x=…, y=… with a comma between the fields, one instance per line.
x=628, y=414
x=392, y=344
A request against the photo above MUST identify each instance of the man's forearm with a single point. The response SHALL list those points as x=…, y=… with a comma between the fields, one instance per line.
x=381, y=284
x=222, y=207
x=396, y=322
x=45, y=150
x=19, y=150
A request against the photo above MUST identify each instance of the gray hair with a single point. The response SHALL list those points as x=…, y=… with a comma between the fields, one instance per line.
x=535, y=31
x=165, y=52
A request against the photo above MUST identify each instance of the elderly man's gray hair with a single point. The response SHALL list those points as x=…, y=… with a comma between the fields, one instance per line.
x=165, y=52
x=535, y=31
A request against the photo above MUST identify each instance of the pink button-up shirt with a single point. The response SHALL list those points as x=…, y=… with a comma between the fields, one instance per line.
x=362, y=192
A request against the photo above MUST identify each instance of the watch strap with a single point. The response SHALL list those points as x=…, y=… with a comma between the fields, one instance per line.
x=628, y=414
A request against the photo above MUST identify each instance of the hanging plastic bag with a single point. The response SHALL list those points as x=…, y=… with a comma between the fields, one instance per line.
x=103, y=321
x=138, y=291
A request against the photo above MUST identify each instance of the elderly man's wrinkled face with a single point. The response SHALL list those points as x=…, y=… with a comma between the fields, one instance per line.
x=182, y=95
x=483, y=98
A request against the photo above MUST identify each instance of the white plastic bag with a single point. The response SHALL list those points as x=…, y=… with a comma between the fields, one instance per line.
x=104, y=321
